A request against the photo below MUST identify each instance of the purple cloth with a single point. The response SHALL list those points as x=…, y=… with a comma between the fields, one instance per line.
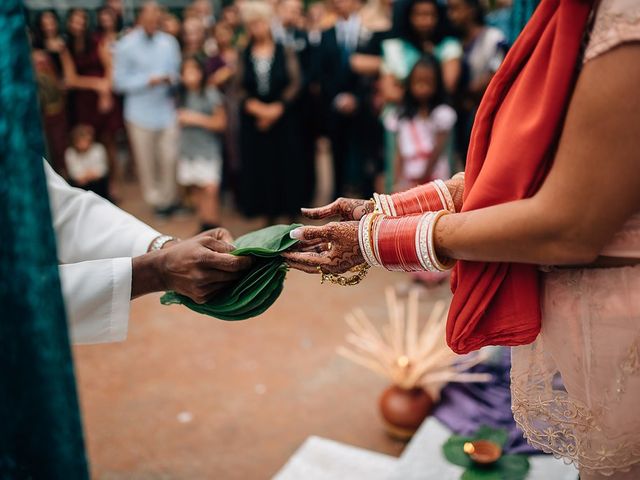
x=464, y=407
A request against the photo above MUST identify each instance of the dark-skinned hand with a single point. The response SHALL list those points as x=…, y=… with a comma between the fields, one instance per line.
x=198, y=267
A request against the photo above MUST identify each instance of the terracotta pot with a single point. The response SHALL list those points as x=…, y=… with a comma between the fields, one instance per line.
x=404, y=411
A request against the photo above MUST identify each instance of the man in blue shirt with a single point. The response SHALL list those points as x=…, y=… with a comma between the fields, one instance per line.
x=146, y=67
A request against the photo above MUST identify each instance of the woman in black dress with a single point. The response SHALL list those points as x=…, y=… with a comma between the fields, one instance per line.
x=270, y=148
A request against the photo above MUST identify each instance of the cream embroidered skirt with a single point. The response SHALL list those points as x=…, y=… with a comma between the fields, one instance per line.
x=590, y=339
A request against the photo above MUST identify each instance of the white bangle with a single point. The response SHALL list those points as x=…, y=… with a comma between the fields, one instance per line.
x=438, y=265
x=446, y=195
x=364, y=239
x=160, y=242
x=422, y=244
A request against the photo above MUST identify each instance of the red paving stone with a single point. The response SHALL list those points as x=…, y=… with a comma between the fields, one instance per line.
x=191, y=397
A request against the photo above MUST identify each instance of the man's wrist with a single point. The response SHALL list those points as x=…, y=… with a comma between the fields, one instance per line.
x=147, y=274
x=161, y=242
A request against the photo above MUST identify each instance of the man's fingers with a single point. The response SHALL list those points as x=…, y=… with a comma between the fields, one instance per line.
x=219, y=234
x=216, y=245
x=321, y=212
x=225, y=261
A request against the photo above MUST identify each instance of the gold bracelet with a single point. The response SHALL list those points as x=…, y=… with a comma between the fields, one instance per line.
x=360, y=272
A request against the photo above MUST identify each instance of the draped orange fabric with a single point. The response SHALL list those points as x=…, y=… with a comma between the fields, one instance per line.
x=513, y=142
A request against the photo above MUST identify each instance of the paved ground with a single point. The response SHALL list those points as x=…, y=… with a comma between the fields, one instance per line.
x=191, y=397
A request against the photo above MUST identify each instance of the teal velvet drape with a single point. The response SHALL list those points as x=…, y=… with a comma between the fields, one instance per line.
x=40, y=428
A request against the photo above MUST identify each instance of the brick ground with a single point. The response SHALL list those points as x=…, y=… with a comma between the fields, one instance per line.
x=190, y=397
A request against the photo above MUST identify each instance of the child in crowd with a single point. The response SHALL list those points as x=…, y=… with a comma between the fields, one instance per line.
x=423, y=127
x=423, y=130
x=202, y=119
x=87, y=162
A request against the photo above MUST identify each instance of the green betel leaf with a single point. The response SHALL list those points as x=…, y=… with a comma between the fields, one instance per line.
x=270, y=241
x=260, y=287
x=496, y=435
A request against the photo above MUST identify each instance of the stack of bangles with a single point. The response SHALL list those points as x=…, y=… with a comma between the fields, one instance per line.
x=401, y=243
x=430, y=197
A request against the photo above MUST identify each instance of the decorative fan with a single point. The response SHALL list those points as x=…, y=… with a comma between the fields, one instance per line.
x=416, y=361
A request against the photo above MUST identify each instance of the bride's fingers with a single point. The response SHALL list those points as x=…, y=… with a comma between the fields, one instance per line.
x=307, y=234
x=302, y=267
x=318, y=248
x=310, y=260
x=321, y=212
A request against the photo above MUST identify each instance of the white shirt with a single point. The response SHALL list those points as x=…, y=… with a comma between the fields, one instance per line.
x=348, y=32
x=93, y=161
x=96, y=241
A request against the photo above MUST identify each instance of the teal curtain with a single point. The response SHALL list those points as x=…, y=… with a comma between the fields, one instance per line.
x=40, y=428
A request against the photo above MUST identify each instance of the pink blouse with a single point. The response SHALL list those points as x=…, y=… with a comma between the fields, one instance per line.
x=617, y=22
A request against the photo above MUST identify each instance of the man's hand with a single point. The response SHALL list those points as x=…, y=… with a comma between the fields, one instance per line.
x=198, y=267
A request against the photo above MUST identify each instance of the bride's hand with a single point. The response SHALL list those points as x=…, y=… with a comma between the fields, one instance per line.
x=347, y=209
x=333, y=247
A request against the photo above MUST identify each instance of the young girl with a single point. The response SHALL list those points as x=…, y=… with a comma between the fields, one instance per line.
x=422, y=137
x=423, y=127
x=202, y=118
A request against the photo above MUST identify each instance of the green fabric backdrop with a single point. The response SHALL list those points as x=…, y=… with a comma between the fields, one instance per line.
x=40, y=428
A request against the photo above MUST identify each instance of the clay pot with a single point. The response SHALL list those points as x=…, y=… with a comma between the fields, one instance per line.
x=404, y=411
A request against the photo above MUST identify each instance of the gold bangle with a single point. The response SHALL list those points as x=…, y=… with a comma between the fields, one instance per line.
x=360, y=272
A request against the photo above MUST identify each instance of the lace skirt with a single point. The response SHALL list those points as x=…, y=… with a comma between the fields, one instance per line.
x=590, y=338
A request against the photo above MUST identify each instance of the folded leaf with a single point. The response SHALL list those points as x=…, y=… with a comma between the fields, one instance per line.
x=259, y=288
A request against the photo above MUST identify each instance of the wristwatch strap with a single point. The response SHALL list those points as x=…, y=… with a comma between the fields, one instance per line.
x=160, y=242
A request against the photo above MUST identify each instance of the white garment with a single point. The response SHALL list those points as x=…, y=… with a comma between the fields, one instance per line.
x=416, y=140
x=348, y=32
x=485, y=54
x=96, y=241
x=199, y=171
x=92, y=162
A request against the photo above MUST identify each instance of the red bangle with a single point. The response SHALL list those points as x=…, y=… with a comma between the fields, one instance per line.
x=424, y=198
x=396, y=243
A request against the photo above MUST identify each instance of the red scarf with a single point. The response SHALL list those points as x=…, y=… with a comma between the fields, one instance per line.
x=513, y=143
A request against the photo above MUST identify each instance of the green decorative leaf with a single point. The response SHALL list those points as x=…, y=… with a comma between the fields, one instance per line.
x=453, y=450
x=475, y=473
x=513, y=467
x=253, y=294
x=496, y=435
x=508, y=467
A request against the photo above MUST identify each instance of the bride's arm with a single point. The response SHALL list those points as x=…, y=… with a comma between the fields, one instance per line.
x=593, y=186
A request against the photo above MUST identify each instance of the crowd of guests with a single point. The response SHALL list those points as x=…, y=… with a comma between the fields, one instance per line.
x=239, y=98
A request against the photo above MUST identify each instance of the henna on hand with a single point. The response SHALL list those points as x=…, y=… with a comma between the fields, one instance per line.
x=348, y=209
x=333, y=247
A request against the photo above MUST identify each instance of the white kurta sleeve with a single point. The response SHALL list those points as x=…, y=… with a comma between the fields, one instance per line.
x=90, y=228
x=97, y=297
x=96, y=241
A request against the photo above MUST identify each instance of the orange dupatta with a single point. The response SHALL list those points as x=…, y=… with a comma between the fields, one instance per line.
x=512, y=147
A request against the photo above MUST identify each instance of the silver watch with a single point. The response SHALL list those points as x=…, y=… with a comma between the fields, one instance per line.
x=160, y=242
